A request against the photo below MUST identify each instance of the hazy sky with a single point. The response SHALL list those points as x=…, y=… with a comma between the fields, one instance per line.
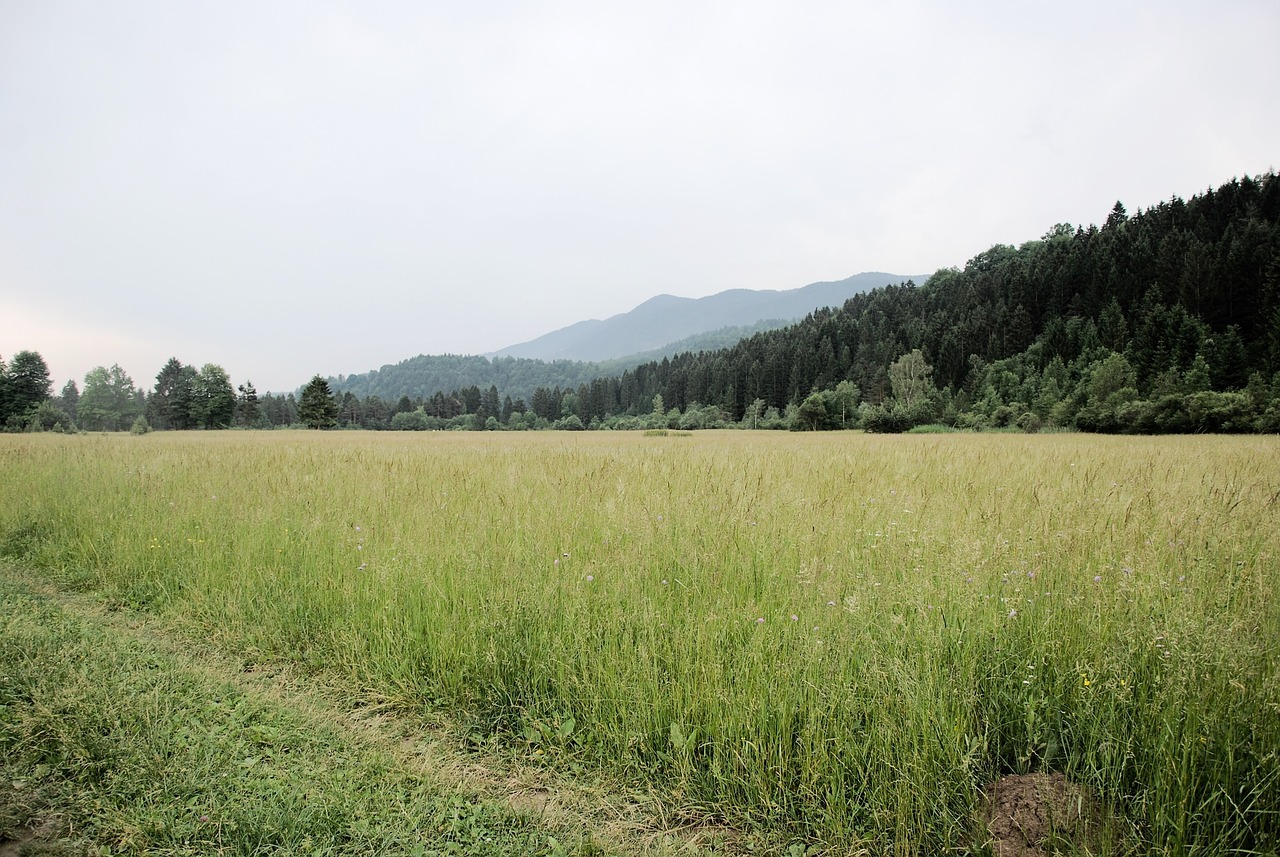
x=286, y=188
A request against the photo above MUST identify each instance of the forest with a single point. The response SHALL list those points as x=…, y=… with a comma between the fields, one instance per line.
x=1163, y=321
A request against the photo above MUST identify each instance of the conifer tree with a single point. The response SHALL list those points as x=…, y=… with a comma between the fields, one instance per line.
x=28, y=384
x=317, y=409
x=248, y=411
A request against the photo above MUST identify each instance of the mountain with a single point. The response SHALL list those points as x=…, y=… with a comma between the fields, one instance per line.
x=693, y=325
x=666, y=318
x=712, y=340
x=422, y=376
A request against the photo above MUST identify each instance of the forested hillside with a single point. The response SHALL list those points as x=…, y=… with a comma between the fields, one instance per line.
x=713, y=340
x=1127, y=326
x=421, y=377
x=1164, y=321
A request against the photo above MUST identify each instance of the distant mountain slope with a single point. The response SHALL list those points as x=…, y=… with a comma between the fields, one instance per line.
x=422, y=376
x=666, y=318
x=712, y=340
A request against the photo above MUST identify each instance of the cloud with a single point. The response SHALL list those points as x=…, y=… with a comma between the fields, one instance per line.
x=301, y=187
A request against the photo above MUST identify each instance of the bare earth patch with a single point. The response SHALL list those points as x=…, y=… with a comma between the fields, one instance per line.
x=40, y=840
x=1030, y=815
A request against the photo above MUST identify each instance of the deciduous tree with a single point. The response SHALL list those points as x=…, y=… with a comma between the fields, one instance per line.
x=109, y=401
x=213, y=401
x=911, y=378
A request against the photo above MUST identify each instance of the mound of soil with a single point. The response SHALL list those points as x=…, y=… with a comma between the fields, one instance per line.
x=1033, y=815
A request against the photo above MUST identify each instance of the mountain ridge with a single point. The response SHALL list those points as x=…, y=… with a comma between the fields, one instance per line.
x=665, y=318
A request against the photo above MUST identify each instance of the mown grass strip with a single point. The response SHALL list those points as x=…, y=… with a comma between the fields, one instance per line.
x=110, y=745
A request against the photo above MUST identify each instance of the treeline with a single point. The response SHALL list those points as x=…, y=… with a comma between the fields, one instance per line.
x=183, y=397
x=1164, y=321
x=421, y=377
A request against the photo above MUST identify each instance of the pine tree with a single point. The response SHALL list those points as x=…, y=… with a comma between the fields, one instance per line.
x=70, y=398
x=4, y=392
x=317, y=409
x=28, y=384
x=247, y=410
x=171, y=399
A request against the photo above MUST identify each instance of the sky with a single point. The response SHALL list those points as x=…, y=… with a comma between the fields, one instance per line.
x=293, y=187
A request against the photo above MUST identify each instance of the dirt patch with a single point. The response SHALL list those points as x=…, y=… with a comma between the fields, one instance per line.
x=1033, y=815
x=39, y=841
x=530, y=801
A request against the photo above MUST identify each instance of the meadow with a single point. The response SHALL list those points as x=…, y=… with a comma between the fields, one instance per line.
x=842, y=637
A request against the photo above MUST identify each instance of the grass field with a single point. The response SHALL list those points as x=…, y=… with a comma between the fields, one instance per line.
x=838, y=637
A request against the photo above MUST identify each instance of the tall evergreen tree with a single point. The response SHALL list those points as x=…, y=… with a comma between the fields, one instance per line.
x=28, y=385
x=4, y=392
x=247, y=410
x=171, y=400
x=70, y=397
x=317, y=409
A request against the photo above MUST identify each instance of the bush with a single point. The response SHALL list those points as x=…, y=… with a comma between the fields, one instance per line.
x=882, y=420
x=1030, y=422
x=416, y=420
x=1227, y=412
x=896, y=419
x=972, y=421
x=140, y=426
x=1002, y=416
x=50, y=417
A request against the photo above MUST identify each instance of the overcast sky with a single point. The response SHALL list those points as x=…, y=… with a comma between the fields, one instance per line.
x=286, y=188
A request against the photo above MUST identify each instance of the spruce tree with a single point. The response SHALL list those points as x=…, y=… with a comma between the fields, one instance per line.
x=28, y=384
x=247, y=410
x=317, y=409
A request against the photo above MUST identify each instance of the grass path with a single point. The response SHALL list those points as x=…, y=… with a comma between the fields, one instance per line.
x=118, y=734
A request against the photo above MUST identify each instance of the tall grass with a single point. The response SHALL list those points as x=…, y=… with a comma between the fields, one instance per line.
x=840, y=635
